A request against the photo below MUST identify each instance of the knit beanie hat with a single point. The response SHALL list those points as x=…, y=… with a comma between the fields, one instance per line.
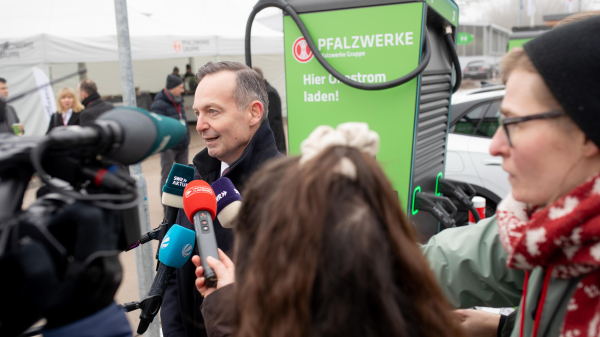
x=173, y=81
x=568, y=59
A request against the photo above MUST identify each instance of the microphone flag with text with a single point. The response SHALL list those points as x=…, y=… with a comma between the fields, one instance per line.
x=229, y=201
x=175, y=249
x=172, y=199
x=200, y=206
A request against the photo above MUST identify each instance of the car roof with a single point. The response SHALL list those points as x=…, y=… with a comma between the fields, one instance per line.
x=464, y=96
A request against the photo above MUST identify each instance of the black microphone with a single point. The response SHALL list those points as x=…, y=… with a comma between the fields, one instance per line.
x=125, y=134
x=175, y=250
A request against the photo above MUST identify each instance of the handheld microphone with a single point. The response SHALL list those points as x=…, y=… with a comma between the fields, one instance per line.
x=200, y=206
x=175, y=250
x=125, y=134
x=229, y=201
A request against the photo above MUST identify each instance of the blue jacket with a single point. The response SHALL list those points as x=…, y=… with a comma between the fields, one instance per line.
x=163, y=105
x=180, y=313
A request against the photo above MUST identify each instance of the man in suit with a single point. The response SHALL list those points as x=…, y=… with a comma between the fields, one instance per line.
x=94, y=105
x=231, y=104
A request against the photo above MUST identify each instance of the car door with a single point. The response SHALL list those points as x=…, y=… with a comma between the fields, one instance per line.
x=488, y=167
x=459, y=165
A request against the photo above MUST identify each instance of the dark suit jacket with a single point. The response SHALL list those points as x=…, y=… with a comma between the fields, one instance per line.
x=180, y=313
x=56, y=120
x=275, y=118
x=94, y=108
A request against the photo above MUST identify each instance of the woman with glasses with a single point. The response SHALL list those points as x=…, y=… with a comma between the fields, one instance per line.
x=541, y=251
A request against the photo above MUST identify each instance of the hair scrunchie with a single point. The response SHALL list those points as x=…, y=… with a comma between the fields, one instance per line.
x=352, y=134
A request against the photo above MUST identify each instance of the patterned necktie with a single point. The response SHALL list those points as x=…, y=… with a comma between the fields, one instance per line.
x=225, y=172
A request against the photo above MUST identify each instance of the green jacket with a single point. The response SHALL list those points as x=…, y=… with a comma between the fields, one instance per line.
x=470, y=265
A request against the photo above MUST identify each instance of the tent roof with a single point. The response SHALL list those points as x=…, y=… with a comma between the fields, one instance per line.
x=60, y=31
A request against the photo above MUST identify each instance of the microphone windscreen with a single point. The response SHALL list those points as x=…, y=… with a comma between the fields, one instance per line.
x=229, y=213
x=199, y=196
x=179, y=177
x=177, y=246
x=144, y=133
x=225, y=192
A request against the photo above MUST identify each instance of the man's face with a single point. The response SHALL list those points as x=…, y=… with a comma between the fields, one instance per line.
x=226, y=129
x=4, y=90
x=177, y=91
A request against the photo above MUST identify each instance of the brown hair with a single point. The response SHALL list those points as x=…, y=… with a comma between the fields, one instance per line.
x=320, y=254
x=250, y=85
x=66, y=91
x=88, y=86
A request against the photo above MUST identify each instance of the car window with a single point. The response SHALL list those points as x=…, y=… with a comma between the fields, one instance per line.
x=489, y=124
x=468, y=123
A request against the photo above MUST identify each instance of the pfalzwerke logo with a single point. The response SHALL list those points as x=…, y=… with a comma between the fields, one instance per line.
x=301, y=51
x=198, y=189
x=177, y=46
x=165, y=242
x=187, y=250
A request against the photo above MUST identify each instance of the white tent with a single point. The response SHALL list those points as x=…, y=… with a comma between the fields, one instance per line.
x=62, y=31
x=54, y=36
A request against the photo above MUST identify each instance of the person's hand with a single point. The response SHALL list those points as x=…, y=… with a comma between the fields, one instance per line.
x=21, y=127
x=224, y=269
x=477, y=323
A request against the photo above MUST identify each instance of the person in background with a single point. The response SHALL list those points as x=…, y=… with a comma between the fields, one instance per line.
x=275, y=116
x=324, y=249
x=482, y=323
x=541, y=251
x=69, y=109
x=94, y=105
x=231, y=104
x=169, y=102
x=8, y=116
x=176, y=72
x=189, y=78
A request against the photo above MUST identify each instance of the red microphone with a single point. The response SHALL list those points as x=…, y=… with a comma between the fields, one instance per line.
x=200, y=206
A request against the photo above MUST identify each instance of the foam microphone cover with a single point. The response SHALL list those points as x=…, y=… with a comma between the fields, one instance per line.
x=179, y=177
x=199, y=196
x=229, y=201
x=144, y=133
x=177, y=246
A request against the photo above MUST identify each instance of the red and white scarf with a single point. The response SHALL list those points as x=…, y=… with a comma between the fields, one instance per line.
x=564, y=239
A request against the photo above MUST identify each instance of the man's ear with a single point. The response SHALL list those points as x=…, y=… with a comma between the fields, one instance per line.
x=590, y=149
x=256, y=112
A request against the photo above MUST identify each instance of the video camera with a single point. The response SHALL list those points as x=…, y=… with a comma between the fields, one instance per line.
x=59, y=257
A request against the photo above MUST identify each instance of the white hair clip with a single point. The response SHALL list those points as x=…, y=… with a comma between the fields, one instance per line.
x=352, y=134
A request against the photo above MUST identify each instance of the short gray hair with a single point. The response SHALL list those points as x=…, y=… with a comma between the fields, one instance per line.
x=250, y=85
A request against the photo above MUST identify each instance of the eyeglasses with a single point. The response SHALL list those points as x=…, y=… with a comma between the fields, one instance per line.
x=505, y=122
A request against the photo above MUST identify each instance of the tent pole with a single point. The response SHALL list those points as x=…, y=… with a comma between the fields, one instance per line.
x=143, y=255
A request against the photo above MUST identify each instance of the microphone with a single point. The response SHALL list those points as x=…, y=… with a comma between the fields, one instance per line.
x=172, y=199
x=229, y=201
x=175, y=250
x=179, y=177
x=125, y=134
x=200, y=206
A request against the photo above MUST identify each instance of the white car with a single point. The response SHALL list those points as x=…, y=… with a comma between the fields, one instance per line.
x=473, y=122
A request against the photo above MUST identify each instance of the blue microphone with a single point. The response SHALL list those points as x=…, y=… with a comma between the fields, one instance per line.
x=229, y=201
x=175, y=249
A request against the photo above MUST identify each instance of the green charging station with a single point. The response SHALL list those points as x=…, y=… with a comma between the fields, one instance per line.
x=374, y=42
